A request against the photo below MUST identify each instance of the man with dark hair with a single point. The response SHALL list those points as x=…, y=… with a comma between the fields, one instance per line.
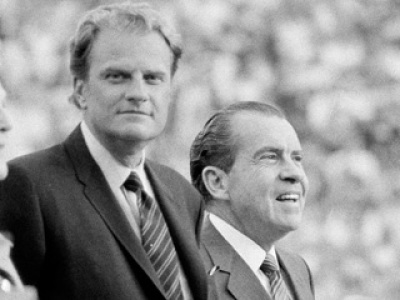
x=247, y=164
x=92, y=217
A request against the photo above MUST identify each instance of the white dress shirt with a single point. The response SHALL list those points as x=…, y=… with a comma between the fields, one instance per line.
x=252, y=254
x=116, y=174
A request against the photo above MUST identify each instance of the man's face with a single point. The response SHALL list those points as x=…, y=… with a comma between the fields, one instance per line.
x=4, y=128
x=267, y=183
x=127, y=91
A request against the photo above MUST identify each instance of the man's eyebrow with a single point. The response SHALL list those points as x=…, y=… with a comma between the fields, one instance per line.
x=275, y=150
x=300, y=151
x=155, y=72
x=114, y=69
x=267, y=149
x=121, y=69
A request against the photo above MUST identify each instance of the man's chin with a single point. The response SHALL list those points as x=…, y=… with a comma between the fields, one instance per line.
x=139, y=135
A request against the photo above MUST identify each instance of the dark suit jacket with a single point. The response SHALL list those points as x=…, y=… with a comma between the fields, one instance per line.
x=235, y=280
x=72, y=239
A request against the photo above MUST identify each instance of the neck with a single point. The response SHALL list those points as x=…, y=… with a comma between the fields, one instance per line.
x=128, y=152
x=129, y=155
x=265, y=237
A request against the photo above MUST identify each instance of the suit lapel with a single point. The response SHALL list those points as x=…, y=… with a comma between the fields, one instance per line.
x=297, y=274
x=100, y=196
x=242, y=282
x=173, y=209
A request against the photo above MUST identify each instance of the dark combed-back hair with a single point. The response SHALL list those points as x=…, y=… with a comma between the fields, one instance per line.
x=125, y=16
x=215, y=144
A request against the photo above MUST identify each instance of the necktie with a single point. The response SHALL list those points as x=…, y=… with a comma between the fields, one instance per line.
x=279, y=290
x=156, y=239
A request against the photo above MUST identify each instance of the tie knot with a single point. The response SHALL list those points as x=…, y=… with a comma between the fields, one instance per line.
x=269, y=264
x=133, y=183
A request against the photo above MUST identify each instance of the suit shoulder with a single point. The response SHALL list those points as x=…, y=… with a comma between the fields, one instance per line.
x=288, y=255
x=294, y=259
x=163, y=169
x=172, y=178
x=297, y=264
x=37, y=161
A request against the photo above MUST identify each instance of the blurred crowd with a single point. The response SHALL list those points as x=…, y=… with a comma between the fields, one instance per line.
x=333, y=66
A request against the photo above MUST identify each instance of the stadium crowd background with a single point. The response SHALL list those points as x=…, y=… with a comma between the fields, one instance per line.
x=333, y=66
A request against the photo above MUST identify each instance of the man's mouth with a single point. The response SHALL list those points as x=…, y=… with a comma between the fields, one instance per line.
x=135, y=112
x=294, y=197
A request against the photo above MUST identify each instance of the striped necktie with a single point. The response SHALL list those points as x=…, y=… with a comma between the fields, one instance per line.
x=156, y=239
x=279, y=290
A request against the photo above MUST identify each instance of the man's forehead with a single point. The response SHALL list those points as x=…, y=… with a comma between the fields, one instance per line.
x=258, y=130
x=111, y=43
x=249, y=121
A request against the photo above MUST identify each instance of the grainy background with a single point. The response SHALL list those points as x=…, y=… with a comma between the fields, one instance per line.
x=333, y=66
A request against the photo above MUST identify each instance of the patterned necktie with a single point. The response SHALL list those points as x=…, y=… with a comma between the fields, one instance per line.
x=156, y=239
x=279, y=290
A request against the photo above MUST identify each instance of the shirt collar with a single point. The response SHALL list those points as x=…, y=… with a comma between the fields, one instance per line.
x=114, y=172
x=248, y=250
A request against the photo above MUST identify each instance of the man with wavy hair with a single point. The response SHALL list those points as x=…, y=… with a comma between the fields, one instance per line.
x=247, y=163
x=93, y=218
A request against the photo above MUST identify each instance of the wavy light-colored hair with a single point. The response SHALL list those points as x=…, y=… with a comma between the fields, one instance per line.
x=125, y=16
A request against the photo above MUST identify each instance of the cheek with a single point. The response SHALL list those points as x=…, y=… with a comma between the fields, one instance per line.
x=161, y=113
x=103, y=92
x=262, y=195
x=306, y=184
x=261, y=183
x=105, y=103
x=247, y=190
x=162, y=98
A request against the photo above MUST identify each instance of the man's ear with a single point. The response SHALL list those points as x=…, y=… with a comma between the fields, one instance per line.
x=78, y=96
x=216, y=182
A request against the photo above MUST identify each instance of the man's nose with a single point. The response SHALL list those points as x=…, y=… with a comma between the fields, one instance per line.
x=136, y=91
x=292, y=172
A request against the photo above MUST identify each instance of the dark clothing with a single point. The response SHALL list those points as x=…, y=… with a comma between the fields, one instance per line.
x=234, y=280
x=72, y=239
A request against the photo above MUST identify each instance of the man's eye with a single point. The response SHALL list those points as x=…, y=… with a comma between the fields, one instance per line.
x=298, y=158
x=153, y=78
x=269, y=157
x=114, y=77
